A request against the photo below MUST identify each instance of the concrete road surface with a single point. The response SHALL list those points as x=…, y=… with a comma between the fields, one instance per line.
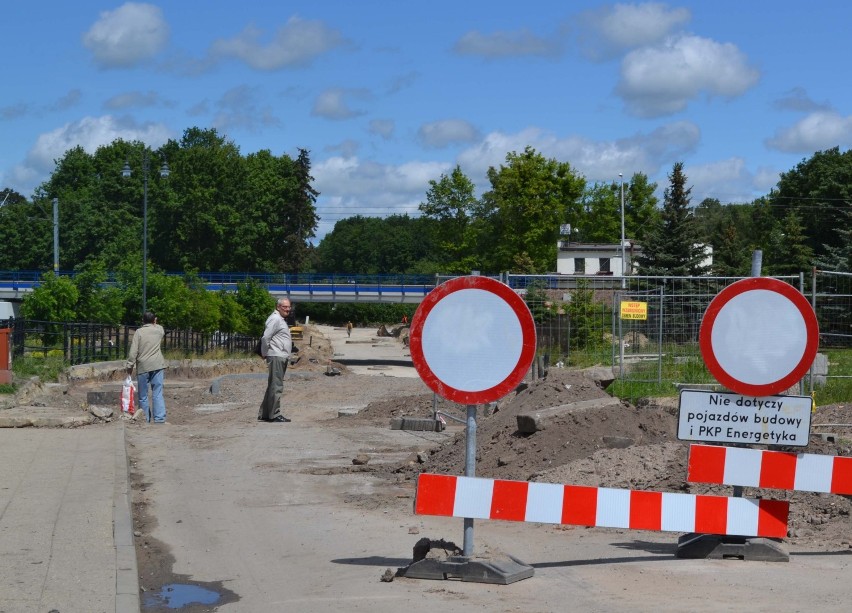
x=276, y=516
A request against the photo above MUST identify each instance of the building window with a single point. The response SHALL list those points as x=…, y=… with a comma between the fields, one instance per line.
x=580, y=266
x=605, y=265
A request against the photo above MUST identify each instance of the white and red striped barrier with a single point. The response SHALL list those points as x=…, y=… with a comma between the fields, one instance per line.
x=769, y=469
x=476, y=498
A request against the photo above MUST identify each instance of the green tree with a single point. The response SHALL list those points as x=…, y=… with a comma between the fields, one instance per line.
x=196, y=217
x=840, y=258
x=370, y=245
x=788, y=251
x=25, y=234
x=232, y=317
x=726, y=229
x=216, y=211
x=584, y=317
x=55, y=299
x=97, y=301
x=256, y=304
x=530, y=197
x=601, y=219
x=100, y=212
x=640, y=207
x=819, y=189
x=673, y=246
x=451, y=203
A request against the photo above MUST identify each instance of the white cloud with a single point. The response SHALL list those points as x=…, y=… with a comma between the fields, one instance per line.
x=506, y=44
x=239, y=108
x=347, y=148
x=607, y=32
x=382, y=127
x=14, y=111
x=662, y=80
x=447, y=132
x=349, y=186
x=729, y=181
x=296, y=44
x=332, y=104
x=69, y=100
x=127, y=36
x=88, y=133
x=726, y=180
x=766, y=178
x=595, y=160
x=818, y=131
x=136, y=99
x=797, y=99
x=402, y=82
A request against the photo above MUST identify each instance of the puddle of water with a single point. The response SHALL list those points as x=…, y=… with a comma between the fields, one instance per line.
x=177, y=595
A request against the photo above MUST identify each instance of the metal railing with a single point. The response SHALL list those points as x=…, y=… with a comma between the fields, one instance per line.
x=84, y=343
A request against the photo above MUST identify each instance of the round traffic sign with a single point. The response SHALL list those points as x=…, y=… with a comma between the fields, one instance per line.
x=759, y=336
x=472, y=340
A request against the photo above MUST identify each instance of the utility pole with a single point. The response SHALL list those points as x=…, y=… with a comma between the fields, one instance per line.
x=55, y=235
x=623, y=251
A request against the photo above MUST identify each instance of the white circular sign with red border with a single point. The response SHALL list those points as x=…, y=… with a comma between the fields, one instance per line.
x=759, y=336
x=472, y=340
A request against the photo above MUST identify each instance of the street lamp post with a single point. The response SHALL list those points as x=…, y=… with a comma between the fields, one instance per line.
x=623, y=252
x=126, y=172
x=55, y=235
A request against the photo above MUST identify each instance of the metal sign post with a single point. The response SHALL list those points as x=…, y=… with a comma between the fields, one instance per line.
x=472, y=342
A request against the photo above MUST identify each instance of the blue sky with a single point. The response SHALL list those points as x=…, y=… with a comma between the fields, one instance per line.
x=388, y=95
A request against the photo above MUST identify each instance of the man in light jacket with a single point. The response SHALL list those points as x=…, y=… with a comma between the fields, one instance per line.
x=276, y=346
x=147, y=356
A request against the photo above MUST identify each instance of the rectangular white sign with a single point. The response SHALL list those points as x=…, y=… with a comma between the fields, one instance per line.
x=722, y=417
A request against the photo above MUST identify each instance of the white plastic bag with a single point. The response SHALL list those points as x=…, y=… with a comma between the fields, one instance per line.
x=128, y=396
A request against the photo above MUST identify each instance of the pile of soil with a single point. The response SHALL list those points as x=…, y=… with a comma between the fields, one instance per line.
x=622, y=447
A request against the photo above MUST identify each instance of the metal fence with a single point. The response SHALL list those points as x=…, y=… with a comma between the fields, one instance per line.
x=83, y=343
x=580, y=322
x=831, y=297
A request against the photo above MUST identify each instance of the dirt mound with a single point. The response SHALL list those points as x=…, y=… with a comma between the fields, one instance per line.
x=622, y=446
x=505, y=453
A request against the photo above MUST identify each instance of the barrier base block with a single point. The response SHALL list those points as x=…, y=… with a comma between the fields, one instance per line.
x=417, y=423
x=479, y=570
x=720, y=547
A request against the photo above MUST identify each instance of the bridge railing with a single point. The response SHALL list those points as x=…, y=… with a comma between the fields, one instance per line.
x=32, y=278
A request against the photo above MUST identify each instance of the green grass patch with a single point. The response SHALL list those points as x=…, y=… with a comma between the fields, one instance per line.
x=47, y=368
x=836, y=390
x=634, y=391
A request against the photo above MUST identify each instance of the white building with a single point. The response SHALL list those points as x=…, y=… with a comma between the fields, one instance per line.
x=596, y=259
x=606, y=259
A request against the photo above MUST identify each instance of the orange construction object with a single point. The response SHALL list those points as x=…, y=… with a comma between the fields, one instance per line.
x=5, y=356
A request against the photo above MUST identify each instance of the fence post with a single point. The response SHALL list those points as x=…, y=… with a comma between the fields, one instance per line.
x=66, y=343
x=660, y=339
x=813, y=306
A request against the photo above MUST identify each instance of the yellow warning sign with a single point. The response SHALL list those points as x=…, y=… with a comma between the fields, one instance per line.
x=634, y=310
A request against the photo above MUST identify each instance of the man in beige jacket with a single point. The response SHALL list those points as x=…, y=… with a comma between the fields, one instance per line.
x=146, y=354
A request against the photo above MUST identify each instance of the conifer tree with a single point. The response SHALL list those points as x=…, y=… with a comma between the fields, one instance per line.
x=672, y=247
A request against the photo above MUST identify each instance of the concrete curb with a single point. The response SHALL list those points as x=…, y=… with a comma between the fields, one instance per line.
x=126, y=568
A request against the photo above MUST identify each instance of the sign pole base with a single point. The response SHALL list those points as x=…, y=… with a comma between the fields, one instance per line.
x=440, y=559
x=479, y=570
x=720, y=547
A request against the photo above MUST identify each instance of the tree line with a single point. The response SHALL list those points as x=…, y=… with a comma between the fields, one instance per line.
x=515, y=225
x=219, y=210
